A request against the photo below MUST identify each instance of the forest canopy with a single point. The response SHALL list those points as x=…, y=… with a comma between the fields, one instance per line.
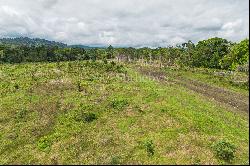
x=215, y=52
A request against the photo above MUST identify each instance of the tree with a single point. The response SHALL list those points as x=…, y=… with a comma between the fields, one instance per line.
x=188, y=53
x=208, y=53
x=238, y=55
x=110, y=52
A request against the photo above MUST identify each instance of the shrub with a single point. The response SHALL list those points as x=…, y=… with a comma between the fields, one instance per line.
x=224, y=150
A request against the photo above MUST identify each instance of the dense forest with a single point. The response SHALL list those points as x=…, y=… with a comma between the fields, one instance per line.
x=211, y=53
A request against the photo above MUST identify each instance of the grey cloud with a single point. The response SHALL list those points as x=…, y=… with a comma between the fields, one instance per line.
x=125, y=23
x=48, y=3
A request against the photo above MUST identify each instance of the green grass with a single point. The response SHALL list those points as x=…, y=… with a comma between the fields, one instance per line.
x=109, y=120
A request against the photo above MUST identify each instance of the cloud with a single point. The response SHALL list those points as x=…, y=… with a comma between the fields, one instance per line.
x=48, y=3
x=125, y=23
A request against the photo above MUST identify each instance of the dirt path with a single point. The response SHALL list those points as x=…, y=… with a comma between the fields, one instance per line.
x=233, y=99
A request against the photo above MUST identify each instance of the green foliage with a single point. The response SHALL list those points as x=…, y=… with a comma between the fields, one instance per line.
x=115, y=160
x=119, y=104
x=208, y=53
x=1, y=54
x=85, y=116
x=89, y=117
x=44, y=143
x=21, y=114
x=224, y=150
x=211, y=53
x=30, y=42
x=110, y=52
x=149, y=146
x=239, y=55
x=16, y=86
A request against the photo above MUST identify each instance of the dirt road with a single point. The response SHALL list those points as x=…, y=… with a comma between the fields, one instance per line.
x=236, y=100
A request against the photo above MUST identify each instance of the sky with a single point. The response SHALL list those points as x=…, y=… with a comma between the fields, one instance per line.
x=136, y=23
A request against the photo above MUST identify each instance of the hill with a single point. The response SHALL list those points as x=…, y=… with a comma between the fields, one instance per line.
x=31, y=42
x=37, y=41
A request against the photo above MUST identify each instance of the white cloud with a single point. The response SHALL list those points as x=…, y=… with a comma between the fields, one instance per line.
x=231, y=28
x=125, y=23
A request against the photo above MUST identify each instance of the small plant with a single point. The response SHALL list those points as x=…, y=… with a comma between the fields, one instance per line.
x=119, y=103
x=86, y=117
x=149, y=145
x=79, y=87
x=112, y=63
x=16, y=86
x=105, y=61
x=138, y=108
x=224, y=150
x=115, y=160
x=89, y=117
x=21, y=114
x=44, y=144
x=164, y=110
x=197, y=161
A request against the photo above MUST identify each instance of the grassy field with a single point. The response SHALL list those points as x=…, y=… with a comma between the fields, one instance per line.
x=98, y=113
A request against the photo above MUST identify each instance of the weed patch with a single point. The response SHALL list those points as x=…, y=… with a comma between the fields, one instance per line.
x=149, y=146
x=21, y=114
x=85, y=117
x=44, y=143
x=119, y=104
x=224, y=150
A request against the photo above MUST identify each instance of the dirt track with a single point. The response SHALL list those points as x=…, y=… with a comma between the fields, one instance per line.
x=233, y=99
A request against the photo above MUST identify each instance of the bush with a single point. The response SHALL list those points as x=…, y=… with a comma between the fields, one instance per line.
x=224, y=150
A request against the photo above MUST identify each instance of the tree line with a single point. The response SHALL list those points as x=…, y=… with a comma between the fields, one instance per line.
x=215, y=52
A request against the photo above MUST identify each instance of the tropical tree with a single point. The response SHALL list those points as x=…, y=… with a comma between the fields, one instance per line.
x=208, y=53
x=238, y=55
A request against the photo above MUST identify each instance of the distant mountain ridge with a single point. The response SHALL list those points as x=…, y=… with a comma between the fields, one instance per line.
x=37, y=41
x=31, y=42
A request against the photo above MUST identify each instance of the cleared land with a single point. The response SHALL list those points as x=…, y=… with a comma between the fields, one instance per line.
x=97, y=113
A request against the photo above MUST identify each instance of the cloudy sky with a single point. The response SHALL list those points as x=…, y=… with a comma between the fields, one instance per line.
x=125, y=22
